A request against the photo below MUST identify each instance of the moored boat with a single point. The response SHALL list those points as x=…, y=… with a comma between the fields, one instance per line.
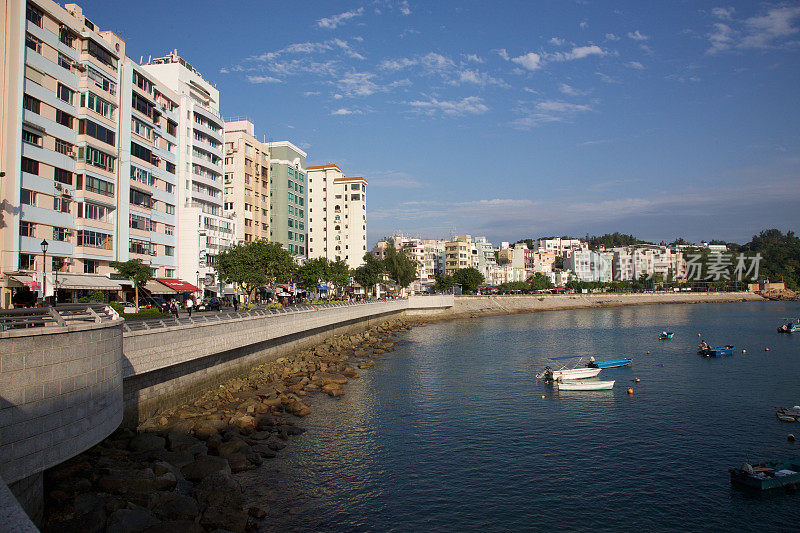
x=568, y=373
x=570, y=384
x=788, y=414
x=716, y=351
x=610, y=363
x=792, y=325
x=767, y=475
x=666, y=335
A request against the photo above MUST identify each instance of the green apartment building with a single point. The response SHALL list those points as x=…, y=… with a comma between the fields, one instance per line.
x=288, y=197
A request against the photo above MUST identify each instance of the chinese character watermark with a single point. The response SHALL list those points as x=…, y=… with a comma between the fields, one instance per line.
x=718, y=267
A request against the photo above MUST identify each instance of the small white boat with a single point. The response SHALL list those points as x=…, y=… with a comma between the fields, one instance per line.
x=570, y=384
x=575, y=373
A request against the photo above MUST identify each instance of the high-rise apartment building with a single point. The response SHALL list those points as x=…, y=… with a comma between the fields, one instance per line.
x=288, y=198
x=147, y=183
x=337, y=215
x=246, y=182
x=59, y=148
x=457, y=254
x=203, y=230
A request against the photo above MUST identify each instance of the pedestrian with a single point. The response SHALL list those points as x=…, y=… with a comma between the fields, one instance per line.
x=173, y=306
x=189, y=305
x=236, y=304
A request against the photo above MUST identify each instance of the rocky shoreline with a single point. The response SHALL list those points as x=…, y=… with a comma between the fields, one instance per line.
x=177, y=472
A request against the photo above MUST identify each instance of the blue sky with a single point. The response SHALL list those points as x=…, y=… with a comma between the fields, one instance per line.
x=515, y=119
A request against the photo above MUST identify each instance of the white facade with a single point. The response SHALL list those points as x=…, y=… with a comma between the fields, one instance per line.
x=337, y=215
x=557, y=245
x=203, y=231
x=590, y=266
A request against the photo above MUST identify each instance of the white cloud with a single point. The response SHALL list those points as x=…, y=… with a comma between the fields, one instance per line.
x=606, y=78
x=586, y=51
x=638, y=36
x=337, y=20
x=474, y=58
x=547, y=111
x=557, y=106
x=475, y=77
x=263, y=79
x=311, y=93
x=502, y=53
x=470, y=105
x=404, y=8
x=584, y=24
x=611, y=37
x=570, y=90
x=724, y=13
x=396, y=64
x=393, y=178
x=556, y=41
x=358, y=84
x=635, y=65
x=529, y=61
x=344, y=111
x=768, y=30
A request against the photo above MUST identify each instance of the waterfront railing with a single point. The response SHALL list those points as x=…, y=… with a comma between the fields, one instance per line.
x=56, y=316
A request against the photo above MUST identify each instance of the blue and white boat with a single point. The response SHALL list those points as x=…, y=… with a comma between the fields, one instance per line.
x=716, y=351
x=666, y=335
x=610, y=363
x=792, y=325
x=767, y=475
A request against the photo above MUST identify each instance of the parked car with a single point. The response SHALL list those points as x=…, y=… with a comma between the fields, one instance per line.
x=209, y=304
x=157, y=302
x=128, y=307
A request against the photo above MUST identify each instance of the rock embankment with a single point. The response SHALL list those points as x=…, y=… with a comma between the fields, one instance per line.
x=177, y=472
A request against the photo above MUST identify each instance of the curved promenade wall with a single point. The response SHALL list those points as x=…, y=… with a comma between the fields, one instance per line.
x=60, y=394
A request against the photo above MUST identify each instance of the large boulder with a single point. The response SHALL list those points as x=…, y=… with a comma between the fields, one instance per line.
x=177, y=507
x=131, y=520
x=145, y=442
x=204, y=466
x=179, y=442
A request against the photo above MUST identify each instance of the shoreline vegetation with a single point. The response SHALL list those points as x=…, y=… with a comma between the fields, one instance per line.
x=177, y=471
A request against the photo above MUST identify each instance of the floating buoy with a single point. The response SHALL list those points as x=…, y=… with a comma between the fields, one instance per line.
x=638, y=380
x=699, y=335
x=630, y=390
x=543, y=396
x=790, y=437
x=744, y=351
x=766, y=349
x=648, y=353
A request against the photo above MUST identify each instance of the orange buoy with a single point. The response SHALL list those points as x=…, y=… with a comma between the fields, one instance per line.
x=630, y=390
x=699, y=335
x=648, y=353
x=638, y=380
x=543, y=396
x=766, y=349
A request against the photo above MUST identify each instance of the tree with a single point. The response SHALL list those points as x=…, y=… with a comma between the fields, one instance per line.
x=311, y=273
x=444, y=283
x=540, y=282
x=369, y=274
x=515, y=286
x=559, y=263
x=136, y=271
x=399, y=266
x=469, y=278
x=254, y=265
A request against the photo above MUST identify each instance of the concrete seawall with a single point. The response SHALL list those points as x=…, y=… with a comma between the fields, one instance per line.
x=465, y=306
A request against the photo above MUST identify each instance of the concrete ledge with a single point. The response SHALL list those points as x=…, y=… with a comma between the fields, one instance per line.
x=12, y=516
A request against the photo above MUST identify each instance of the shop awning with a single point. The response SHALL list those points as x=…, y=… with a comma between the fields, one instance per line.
x=178, y=285
x=87, y=282
x=156, y=287
x=323, y=287
x=24, y=280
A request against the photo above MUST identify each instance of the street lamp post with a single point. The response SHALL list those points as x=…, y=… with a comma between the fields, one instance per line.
x=44, y=244
x=198, y=284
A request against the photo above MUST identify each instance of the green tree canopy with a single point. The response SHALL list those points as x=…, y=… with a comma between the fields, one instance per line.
x=540, y=282
x=515, y=286
x=369, y=274
x=136, y=271
x=469, y=278
x=401, y=268
x=444, y=283
x=255, y=264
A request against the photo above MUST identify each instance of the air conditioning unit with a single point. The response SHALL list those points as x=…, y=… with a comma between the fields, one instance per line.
x=58, y=186
x=66, y=192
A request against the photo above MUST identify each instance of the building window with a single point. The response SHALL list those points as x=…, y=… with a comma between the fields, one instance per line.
x=60, y=205
x=64, y=93
x=31, y=103
x=172, y=128
x=33, y=43
x=95, y=239
x=62, y=176
x=169, y=230
x=142, y=106
x=99, y=186
x=169, y=209
x=90, y=266
x=34, y=15
x=27, y=229
x=170, y=167
x=63, y=147
x=169, y=251
x=27, y=197
x=66, y=36
x=31, y=138
x=101, y=133
x=61, y=234
x=27, y=262
x=99, y=53
x=141, y=152
x=141, y=199
x=136, y=246
x=97, y=158
x=98, y=105
x=170, y=188
x=58, y=264
x=65, y=119
x=142, y=82
x=101, y=80
x=94, y=212
x=169, y=272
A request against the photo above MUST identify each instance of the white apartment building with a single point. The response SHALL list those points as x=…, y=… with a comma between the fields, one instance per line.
x=203, y=230
x=288, y=198
x=247, y=182
x=590, y=266
x=557, y=245
x=337, y=215
x=485, y=261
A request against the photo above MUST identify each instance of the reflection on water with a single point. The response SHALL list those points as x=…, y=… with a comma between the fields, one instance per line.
x=451, y=432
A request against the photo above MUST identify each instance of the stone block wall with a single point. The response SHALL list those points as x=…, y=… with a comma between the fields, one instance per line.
x=60, y=394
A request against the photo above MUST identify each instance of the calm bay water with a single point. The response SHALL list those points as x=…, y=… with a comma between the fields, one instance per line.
x=451, y=433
